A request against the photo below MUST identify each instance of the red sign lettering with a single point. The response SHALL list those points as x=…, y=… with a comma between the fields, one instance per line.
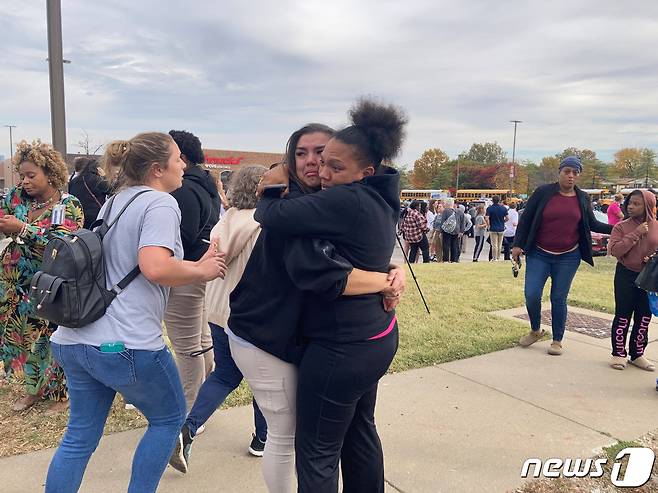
x=224, y=160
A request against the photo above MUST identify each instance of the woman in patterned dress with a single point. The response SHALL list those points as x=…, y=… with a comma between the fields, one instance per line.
x=26, y=215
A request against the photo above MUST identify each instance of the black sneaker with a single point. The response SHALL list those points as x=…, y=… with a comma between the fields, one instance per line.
x=180, y=458
x=256, y=447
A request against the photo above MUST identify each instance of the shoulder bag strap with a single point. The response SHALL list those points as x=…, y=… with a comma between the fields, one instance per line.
x=90, y=192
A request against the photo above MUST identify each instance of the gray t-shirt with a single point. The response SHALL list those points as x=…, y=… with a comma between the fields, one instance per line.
x=479, y=221
x=135, y=316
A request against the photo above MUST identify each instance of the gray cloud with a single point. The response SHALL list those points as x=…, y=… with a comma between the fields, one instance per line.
x=244, y=75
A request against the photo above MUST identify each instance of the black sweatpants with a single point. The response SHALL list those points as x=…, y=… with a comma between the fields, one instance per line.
x=629, y=301
x=479, y=243
x=424, y=247
x=451, y=247
x=336, y=395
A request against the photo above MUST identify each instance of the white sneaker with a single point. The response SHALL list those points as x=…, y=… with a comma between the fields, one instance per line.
x=200, y=430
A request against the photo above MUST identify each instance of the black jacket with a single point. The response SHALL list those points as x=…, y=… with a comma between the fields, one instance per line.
x=266, y=305
x=91, y=190
x=198, y=200
x=530, y=221
x=359, y=219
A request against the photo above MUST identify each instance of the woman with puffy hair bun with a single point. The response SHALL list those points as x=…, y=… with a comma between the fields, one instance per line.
x=350, y=341
x=31, y=213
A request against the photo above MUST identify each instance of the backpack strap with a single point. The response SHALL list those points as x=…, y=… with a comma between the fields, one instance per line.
x=103, y=223
x=123, y=283
x=104, y=227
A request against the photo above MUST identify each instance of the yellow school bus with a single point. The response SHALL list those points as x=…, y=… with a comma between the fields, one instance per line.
x=470, y=194
x=423, y=194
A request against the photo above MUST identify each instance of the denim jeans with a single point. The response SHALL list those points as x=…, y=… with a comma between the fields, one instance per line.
x=147, y=379
x=223, y=380
x=541, y=265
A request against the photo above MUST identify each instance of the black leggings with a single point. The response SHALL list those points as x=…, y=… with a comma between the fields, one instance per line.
x=629, y=301
x=424, y=246
x=336, y=395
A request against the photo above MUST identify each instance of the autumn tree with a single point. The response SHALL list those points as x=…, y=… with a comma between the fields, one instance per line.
x=428, y=167
x=488, y=153
x=628, y=161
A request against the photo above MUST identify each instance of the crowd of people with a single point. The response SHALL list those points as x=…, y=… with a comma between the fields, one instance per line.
x=292, y=292
x=283, y=280
x=440, y=228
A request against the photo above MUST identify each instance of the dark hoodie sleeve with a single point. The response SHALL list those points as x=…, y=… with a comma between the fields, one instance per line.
x=314, y=265
x=190, y=209
x=329, y=214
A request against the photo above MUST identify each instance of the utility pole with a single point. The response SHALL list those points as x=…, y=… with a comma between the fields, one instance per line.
x=511, y=173
x=56, y=74
x=457, y=185
x=11, y=140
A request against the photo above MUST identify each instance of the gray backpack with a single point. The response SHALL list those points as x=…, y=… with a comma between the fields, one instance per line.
x=70, y=289
x=450, y=224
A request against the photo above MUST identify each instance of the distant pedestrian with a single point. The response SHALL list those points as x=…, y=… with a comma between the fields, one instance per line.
x=414, y=230
x=496, y=216
x=631, y=242
x=437, y=234
x=511, y=223
x=479, y=232
x=615, y=214
x=452, y=226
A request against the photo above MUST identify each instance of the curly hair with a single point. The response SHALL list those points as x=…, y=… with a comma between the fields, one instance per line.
x=45, y=157
x=189, y=145
x=376, y=133
x=242, y=187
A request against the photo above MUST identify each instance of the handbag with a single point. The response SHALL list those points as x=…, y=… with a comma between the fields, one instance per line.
x=648, y=278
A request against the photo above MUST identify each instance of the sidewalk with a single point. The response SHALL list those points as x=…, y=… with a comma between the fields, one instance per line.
x=464, y=426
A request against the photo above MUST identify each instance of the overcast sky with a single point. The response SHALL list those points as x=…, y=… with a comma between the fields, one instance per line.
x=244, y=75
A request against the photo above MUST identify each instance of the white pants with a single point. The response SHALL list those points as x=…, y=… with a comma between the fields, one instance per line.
x=274, y=385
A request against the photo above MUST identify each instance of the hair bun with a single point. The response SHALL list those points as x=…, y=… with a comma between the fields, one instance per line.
x=382, y=124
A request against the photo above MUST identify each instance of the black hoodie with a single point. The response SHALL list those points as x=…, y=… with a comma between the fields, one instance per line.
x=266, y=305
x=359, y=219
x=198, y=200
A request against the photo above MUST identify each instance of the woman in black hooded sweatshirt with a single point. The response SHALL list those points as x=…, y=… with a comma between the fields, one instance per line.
x=350, y=341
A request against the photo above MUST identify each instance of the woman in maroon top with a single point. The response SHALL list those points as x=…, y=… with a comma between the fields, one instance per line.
x=554, y=234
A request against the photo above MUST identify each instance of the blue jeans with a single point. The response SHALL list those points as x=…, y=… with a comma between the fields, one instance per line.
x=147, y=379
x=541, y=265
x=223, y=380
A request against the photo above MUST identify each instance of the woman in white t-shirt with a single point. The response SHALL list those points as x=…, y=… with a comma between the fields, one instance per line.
x=124, y=350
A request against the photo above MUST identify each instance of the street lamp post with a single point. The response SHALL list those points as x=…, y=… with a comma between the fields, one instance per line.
x=11, y=140
x=56, y=74
x=511, y=173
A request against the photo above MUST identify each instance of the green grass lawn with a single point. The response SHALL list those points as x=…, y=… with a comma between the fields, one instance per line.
x=460, y=296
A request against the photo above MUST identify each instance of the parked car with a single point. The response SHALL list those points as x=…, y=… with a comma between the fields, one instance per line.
x=600, y=240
